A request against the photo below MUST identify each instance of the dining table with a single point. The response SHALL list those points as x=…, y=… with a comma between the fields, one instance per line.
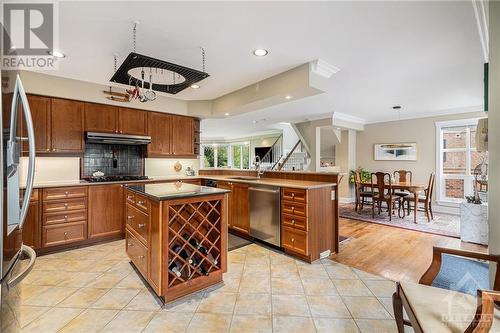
x=409, y=186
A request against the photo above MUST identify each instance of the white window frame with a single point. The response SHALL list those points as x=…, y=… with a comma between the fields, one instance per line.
x=440, y=177
x=231, y=147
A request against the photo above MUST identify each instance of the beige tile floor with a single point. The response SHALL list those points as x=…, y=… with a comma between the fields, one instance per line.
x=95, y=289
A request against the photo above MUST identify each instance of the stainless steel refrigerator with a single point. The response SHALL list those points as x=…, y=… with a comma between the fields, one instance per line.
x=16, y=259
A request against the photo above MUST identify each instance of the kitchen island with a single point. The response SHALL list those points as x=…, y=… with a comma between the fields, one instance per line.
x=176, y=236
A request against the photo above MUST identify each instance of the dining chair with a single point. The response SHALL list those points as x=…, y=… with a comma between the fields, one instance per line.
x=436, y=310
x=402, y=176
x=425, y=198
x=361, y=194
x=382, y=192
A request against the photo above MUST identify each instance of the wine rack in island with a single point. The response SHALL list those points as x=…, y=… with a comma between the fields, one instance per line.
x=182, y=245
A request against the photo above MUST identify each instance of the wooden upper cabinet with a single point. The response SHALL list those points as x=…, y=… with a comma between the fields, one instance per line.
x=182, y=135
x=67, y=125
x=40, y=114
x=160, y=130
x=132, y=121
x=105, y=212
x=101, y=118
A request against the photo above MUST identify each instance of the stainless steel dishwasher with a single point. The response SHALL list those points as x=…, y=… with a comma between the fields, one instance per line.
x=265, y=213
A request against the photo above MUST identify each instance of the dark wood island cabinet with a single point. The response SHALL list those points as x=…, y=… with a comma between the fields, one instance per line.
x=176, y=236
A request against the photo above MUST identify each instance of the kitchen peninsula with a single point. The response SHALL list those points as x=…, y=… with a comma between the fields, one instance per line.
x=176, y=236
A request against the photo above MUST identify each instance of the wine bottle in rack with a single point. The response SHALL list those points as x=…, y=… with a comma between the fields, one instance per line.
x=176, y=268
x=200, y=248
x=198, y=264
x=184, y=254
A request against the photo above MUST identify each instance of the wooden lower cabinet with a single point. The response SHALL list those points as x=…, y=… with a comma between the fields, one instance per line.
x=105, y=213
x=64, y=215
x=59, y=234
x=238, y=206
x=31, y=231
x=228, y=186
x=240, y=209
x=308, y=222
x=294, y=240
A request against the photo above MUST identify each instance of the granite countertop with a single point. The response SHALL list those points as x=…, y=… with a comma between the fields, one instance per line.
x=169, y=191
x=302, y=184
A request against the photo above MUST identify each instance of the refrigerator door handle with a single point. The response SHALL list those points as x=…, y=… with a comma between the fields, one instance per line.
x=19, y=90
x=28, y=251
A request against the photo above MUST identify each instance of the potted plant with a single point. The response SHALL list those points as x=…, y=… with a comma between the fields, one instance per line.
x=365, y=175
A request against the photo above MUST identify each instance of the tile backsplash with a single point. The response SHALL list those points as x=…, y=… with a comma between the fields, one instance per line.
x=113, y=159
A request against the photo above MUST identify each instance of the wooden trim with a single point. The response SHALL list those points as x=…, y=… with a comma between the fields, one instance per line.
x=435, y=265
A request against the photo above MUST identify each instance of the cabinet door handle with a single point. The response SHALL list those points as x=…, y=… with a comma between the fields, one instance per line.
x=293, y=240
x=130, y=244
x=66, y=193
x=130, y=217
x=293, y=195
x=129, y=197
x=141, y=257
x=141, y=225
x=293, y=221
x=66, y=235
x=65, y=205
x=140, y=202
x=65, y=217
x=47, y=149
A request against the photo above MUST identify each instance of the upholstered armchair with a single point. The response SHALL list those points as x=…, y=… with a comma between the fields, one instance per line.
x=436, y=310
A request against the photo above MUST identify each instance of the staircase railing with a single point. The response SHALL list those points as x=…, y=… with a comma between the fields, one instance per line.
x=290, y=162
x=274, y=154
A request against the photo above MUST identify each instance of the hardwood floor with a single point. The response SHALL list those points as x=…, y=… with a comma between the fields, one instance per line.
x=393, y=253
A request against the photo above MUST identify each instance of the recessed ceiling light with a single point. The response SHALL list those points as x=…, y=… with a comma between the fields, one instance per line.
x=226, y=114
x=195, y=86
x=260, y=52
x=288, y=97
x=57, y=54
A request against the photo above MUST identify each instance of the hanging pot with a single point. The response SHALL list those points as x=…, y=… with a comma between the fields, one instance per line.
x=150, y=94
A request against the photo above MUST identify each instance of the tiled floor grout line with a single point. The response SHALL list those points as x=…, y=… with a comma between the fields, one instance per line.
x=307, y=299
x=283, y=268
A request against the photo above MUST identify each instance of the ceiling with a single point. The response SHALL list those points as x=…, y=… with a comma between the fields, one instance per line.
x=423, y=55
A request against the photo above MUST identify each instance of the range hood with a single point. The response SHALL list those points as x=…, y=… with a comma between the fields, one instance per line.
x=117, y=139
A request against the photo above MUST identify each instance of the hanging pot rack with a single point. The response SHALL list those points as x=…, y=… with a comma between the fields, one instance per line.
x=138, y=62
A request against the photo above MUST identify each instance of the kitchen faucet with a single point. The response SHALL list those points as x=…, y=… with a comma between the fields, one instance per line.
x=258, y=166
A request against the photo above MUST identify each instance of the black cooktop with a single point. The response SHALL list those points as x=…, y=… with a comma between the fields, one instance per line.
x=115, y=178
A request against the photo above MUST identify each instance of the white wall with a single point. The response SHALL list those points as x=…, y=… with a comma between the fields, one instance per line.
x=52, y=169
x=494, y=129
x=164, y=167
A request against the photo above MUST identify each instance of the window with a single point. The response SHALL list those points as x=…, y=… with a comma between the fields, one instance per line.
x=241, y=155
x=457, y=157
x=235, y=155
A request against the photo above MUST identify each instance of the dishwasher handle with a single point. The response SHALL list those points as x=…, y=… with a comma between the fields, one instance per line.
x=263, y=190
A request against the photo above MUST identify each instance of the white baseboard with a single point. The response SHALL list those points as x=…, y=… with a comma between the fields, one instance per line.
x=445, y=209
x=346, y=200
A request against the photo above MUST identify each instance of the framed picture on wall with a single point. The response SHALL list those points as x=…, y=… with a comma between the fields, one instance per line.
x=395, y=151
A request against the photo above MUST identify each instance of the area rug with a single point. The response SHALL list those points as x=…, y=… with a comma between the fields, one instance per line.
x=443, y=224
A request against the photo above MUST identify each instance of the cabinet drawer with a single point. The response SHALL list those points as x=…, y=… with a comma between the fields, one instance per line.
x=130, y=197
x=293, y=194
x=292, y=208
x=137, y=253
x=294, y=221
x=64, y=217
x=65, y=205
x=295, y=240
x=139, y=222
x=60, y=193
x=142, y=203
x=58, y=234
